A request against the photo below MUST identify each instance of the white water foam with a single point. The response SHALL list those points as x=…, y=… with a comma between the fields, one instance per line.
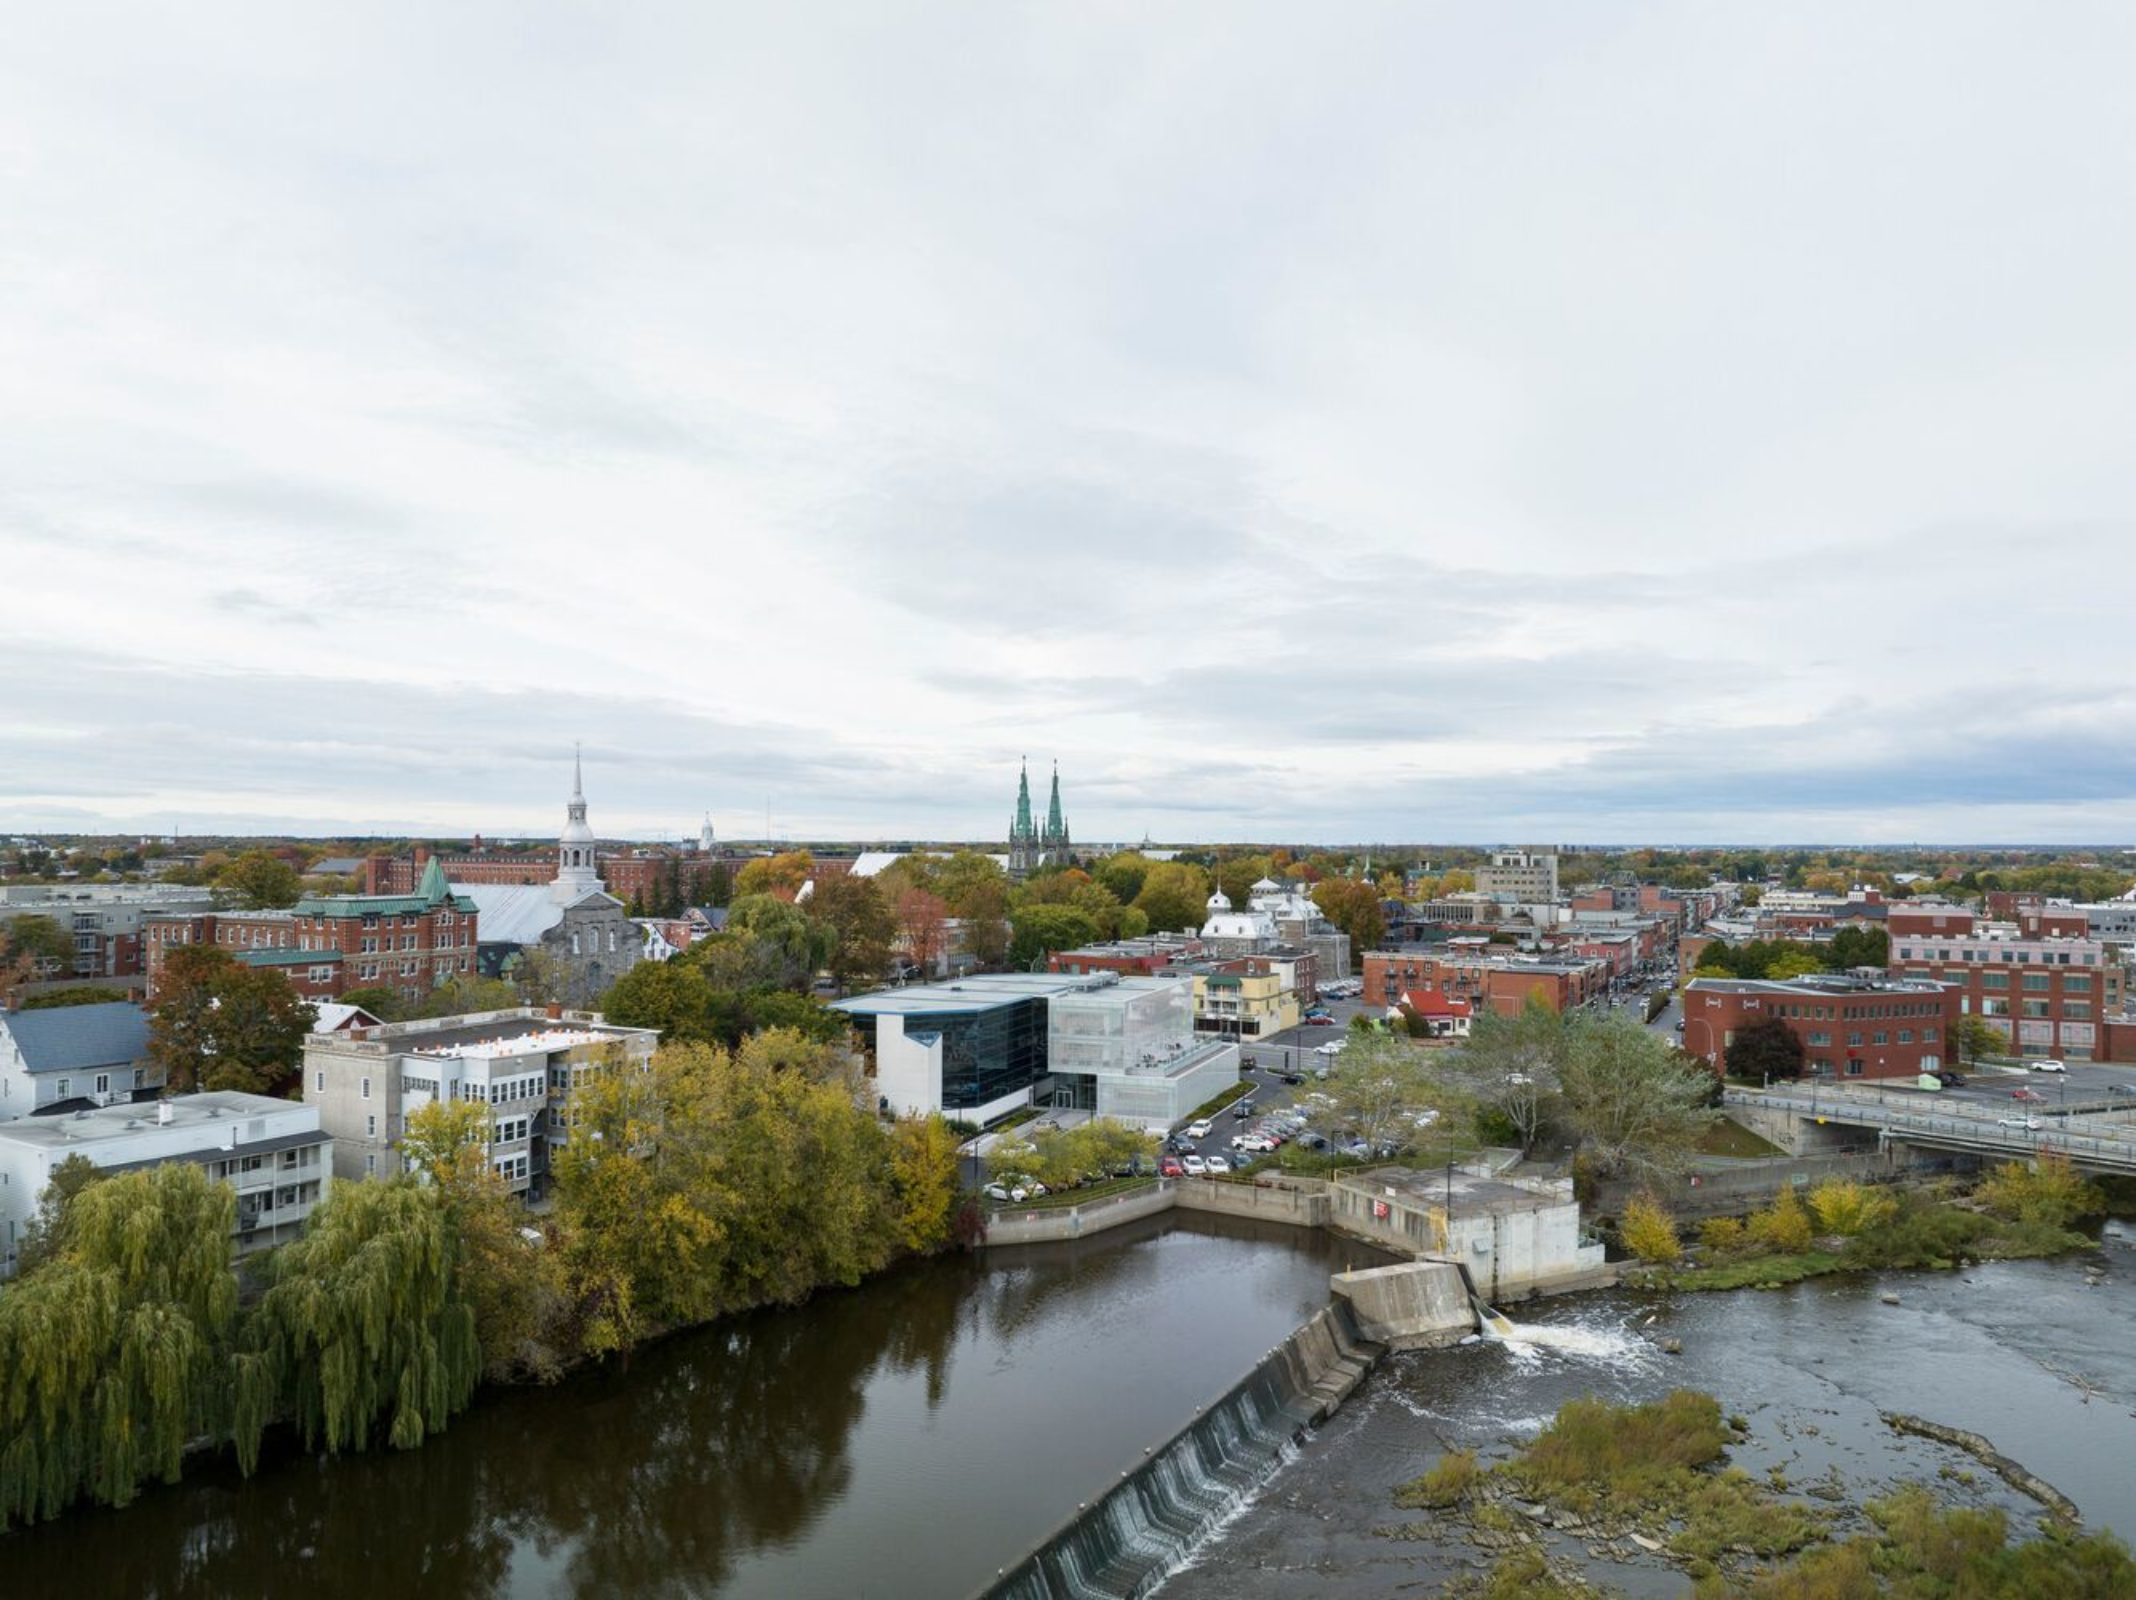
x=1609, y=1344
x=1286, y=1453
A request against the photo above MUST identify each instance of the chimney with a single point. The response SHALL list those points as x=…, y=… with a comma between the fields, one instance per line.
x=556, y=1012
x=164, y=1112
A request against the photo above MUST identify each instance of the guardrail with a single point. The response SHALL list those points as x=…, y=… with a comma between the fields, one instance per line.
x=2101, y=1146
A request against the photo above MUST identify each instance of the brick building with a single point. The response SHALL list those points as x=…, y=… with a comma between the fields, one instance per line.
x=105, y=921
x=1488, y=981
x=329, y=944
x=1850, y=1027
x=643, y=877
x=2047, y=993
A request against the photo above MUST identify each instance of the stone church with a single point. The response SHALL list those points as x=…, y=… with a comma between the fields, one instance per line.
x=583, y=932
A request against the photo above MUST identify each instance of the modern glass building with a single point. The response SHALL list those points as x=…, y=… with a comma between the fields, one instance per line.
x=982, y=1047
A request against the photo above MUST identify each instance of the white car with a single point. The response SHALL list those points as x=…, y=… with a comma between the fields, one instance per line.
x=1196, y=1166
x=1216, y=1166
x=2030, y=1124
x=2049, y=1065
x=1198, y=1130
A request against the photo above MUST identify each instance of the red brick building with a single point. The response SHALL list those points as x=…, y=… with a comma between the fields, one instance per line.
x=1849, y=1027
x=637, y=878
x=1488, y=981
x=1129, y=957
x=330, y=944
x=2047, y=993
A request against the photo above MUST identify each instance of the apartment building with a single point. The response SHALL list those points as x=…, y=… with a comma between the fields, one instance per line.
x=527, y=1065
x=105, y=920
x=1520, y=877
x=1850, y=1027
x=273, y=1153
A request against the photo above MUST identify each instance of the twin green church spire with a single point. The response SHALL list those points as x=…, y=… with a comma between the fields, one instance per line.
x=1031, y=846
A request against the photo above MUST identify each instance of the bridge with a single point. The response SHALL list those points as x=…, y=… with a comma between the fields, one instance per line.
x=2090, y=1139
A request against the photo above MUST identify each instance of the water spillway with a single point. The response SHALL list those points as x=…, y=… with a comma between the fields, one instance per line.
x=1161, y=1511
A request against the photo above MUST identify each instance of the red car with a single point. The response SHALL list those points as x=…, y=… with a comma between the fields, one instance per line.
x=1171, y=1169
x=2026, y=1094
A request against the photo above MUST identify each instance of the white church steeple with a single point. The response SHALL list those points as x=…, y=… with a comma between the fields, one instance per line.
x=578, y=873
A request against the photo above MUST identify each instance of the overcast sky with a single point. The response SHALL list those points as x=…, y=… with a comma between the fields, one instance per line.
x=1595, y=422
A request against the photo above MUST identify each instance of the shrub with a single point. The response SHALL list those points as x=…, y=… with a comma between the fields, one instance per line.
x=1783, y=1226
x=1649, y=1232
x=1722, y=1235
x=1847, y=1208
x=1919, y=1234
x=1444, y=1485
x=2047, y=1191
x=1594, y=1450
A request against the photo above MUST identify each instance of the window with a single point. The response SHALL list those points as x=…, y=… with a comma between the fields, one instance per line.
x=1854, y=1068
x=1880, y=1037
x=2038, y=982
x=370, y=1166
x=1928, y=1035
x=2035, y=1008
x=370, y=1126
x=1995, y=980
x=1820, y=1039
x=2077, y=983
x=64, y=1087
x=1906, y=1036
x=103, y=1083
x=1855, y=1040
x=366, y=1090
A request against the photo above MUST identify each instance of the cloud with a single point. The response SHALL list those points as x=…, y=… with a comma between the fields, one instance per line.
x=1430, y=423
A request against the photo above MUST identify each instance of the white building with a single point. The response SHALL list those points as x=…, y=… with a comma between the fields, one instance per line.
x=273, y=1152
x=73, y=1057
x=1520, y=878
x=981, y=1047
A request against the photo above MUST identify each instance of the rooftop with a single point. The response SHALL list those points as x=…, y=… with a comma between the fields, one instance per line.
x=68, y=1038
x=1817, y=983
x=518, y=1044
x=222, y=1108
x=451, y=1035
x=980, y=992
x=1471, y=1194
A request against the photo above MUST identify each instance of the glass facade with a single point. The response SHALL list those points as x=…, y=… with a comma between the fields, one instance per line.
x=988, y=1054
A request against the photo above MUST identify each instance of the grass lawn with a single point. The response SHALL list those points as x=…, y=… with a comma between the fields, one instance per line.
x=1724, y=1137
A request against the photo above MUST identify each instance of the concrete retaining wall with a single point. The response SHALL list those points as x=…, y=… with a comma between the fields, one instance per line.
x=1049, y=1224
x=1303, y=1202
x=1420, y=1305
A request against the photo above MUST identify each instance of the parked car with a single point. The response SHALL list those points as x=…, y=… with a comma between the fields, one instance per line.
x=1171, y=1168
x=1243, y=1110
x=2047, y=1065
x=2026, y=1094
x=1198, y=1130
x=2032, y=1124
x=1679, y=1024
x=1007, y=1193
x=1195, y=1165
x=1953, y=1080
x=1292, y=1077
x=1217, y=1166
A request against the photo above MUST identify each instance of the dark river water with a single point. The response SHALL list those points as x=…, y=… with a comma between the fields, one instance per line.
x=907, y=1439
x=904, y=1439
x=2034, y=1355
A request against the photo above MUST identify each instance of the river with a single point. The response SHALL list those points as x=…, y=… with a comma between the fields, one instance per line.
x=2035, y=1355
x=903, y=1439
x=906, y=1439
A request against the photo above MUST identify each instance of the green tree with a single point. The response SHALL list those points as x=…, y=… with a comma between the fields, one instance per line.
x=1649, y=1232
x=1860, y=947
x=1354, y=907
x=112, y=1349
x=366, y=1321
x=1174, y=896
x=384, y=1004
x=857, y=925
x=673, y=996
x=87, y=995
x=782, y=945
x=509, y=1268
x=1767, y=1050
x=38, y=940
x=1123, y=875
x=923, y=1171
x=45, y=1236
x=1632, y=1101
x=463, y=995
x=261, y=881
x=1513, y=1065
x=1388, y=1092
x=1971, y=1038
x=1042, y=929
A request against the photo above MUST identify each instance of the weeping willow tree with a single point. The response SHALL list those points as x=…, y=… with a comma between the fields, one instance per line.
x=112, y=1351
x=365, y=1322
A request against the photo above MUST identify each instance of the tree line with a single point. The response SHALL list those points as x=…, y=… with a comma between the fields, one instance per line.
x=708, y=1182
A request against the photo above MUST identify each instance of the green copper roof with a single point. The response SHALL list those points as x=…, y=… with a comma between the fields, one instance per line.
x=285, y=958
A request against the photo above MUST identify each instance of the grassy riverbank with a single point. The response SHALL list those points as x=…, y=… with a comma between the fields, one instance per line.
x=1641, y=1483
x=2018, y=1211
